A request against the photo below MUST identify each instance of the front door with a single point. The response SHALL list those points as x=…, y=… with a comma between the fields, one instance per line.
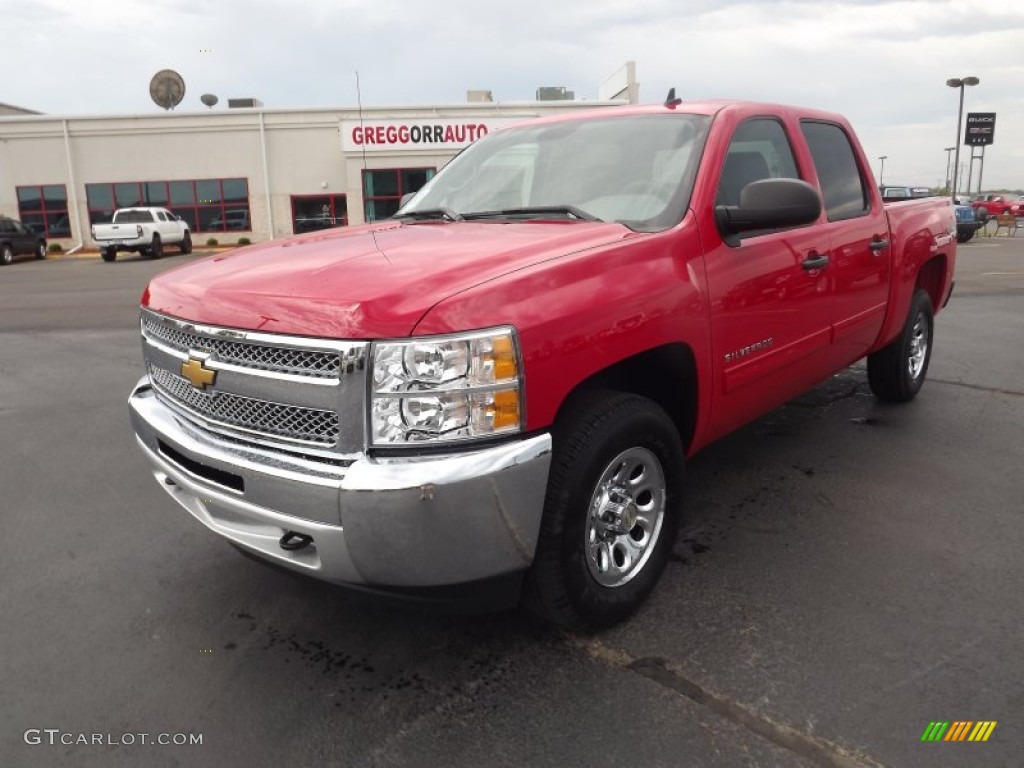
x=770, y=313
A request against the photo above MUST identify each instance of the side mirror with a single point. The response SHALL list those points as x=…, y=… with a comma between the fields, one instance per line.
x=405, y=199
x=770, y=204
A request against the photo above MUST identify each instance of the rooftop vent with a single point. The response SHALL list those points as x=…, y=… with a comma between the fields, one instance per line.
x=244, y=103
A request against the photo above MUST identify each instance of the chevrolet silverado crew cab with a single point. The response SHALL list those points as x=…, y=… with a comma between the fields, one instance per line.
x=501, y=385
x=141, y=230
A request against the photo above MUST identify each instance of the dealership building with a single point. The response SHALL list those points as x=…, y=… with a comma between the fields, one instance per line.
x=245, y=171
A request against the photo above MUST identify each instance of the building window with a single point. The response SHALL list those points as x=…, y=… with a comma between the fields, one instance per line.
x=44, y=209
x=313, y=212
x=383, y=189
x=206, y=205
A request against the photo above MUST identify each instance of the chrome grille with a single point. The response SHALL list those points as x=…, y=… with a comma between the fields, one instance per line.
x=279, y=359
x=291, y=422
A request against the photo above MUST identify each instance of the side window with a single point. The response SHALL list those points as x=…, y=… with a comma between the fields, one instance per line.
x=846, y=195
x=160, y=215
x=759, y=150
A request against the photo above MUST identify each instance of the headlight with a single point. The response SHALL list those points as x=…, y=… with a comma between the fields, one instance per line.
x=445, y=389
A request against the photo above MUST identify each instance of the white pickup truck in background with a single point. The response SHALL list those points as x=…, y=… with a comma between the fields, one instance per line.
x=141, y=230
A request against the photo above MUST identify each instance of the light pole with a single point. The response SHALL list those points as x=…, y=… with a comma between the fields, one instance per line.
x=947, y=151
x=959, y=82
x=881, y=171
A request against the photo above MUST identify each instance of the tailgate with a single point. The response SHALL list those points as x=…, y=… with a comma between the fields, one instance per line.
x=119, y=232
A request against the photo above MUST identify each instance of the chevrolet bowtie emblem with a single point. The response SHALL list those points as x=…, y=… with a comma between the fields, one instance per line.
x=198, y=375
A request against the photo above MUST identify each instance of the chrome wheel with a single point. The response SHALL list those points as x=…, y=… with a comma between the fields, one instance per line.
x=918, y=347
x=625, y=517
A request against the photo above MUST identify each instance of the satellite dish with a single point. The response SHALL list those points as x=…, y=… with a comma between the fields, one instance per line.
x=167, y=88
x=209, y=99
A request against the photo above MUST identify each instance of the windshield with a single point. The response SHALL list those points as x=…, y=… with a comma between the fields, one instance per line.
x=132, y=217
x=636, y=170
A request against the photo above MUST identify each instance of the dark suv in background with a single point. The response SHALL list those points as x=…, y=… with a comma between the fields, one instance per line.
x=16, y=238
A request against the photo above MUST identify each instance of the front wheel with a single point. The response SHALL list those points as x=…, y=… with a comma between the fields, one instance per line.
x=40, y=250
x=186, y=243
x=896, y=373
x=611, y=513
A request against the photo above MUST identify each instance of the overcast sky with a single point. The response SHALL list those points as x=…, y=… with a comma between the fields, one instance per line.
x=881, y=63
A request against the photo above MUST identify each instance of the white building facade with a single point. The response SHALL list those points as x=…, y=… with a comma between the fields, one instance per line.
x=237, y=173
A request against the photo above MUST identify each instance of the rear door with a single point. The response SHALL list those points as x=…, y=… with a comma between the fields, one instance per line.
x=770, y=314
x=858, y=241
x=24, y=239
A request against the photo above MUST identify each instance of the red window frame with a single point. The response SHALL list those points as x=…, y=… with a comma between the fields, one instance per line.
x=369, y=199
x=42, y=210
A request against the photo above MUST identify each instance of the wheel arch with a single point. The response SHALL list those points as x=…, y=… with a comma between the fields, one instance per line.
x=932, y=278
x=666, y=374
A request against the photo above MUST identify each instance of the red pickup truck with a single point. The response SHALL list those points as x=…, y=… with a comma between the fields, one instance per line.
x=993, y=205
x=500, y=386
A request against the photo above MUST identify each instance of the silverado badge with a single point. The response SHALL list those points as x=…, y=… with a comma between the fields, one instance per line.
x=199, y=375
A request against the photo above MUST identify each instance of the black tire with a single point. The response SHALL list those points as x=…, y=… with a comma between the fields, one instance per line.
x=40, y=250
x=897, y=372
x=108, y=254
x=565, y=584
x=6, y=255
x=186, y=243
x=965, y=237
x=156, y=248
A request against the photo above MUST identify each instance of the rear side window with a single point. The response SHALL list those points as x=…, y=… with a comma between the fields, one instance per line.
x=846, y=195
x=759, y=150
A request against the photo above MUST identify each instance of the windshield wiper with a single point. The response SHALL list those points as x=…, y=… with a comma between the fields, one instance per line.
x=431, y=213
x=537, y=211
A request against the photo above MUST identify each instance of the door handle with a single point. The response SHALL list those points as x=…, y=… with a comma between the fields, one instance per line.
x=815, y=260
x=878, y=244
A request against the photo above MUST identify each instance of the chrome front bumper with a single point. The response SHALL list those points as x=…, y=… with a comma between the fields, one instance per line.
x=376, y=522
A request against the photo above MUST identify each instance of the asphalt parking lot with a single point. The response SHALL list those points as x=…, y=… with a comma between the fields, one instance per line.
x=848, y=572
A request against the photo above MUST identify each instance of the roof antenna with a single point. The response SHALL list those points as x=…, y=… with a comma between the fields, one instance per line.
x=359, y=101
x=671, y=101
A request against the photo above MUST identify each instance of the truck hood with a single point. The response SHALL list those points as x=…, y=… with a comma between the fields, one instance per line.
x=372, y=281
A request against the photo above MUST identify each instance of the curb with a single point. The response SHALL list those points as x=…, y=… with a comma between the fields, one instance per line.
x=92, y=254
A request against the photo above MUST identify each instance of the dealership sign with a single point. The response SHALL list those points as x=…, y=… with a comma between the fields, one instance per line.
x=418, y=133
x=981, y=128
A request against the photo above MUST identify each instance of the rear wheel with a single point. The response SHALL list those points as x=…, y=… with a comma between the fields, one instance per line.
x=156, y=248
x=186, y=243
x=896, y=373
x=611, y=513
x=108, y=254
x=6, y=255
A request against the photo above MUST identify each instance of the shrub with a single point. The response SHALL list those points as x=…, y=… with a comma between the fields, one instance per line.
x=211, y=241
x=55, y=248
x=244, y=241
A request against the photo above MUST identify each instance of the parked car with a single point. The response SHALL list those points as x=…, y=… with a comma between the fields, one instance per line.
x=967, y=222
x=500, y=386
x=904, y=193
x=993, y=205
x=17, y=239
x=142, y=230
